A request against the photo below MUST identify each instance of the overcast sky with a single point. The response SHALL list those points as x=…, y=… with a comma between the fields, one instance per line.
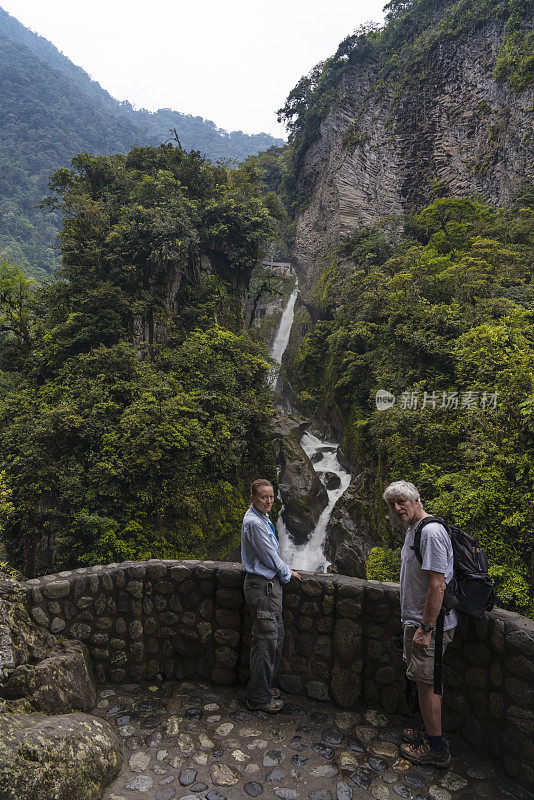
x=233, y=62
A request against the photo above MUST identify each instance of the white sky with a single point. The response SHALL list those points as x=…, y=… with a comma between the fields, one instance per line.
x=233, y=62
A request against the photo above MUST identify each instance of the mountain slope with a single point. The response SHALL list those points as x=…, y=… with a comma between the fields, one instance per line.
x=44, y=121
x=195, y=132
x=51, y=110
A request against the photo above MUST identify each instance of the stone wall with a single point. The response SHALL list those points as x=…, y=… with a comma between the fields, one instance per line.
x=186, y=619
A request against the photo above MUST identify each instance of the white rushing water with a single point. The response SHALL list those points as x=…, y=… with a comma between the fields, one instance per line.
x=281, y=339
x=309, y=556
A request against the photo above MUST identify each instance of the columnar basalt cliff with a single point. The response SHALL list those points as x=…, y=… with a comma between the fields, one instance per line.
x=386, y=150
x=186, y=619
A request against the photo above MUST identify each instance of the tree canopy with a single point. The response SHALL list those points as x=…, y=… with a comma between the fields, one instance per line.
x=134, y=409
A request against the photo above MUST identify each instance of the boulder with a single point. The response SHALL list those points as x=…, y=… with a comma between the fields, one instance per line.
x=45, y=673
x=302, y=492
x=59, y=682
x=349, y=538
x=283, y=425
x=61, y=757
x=331, y=480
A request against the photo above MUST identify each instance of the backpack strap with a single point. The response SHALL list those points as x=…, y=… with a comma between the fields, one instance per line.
x=438, y=653
x=416, y=546
x=438, y=638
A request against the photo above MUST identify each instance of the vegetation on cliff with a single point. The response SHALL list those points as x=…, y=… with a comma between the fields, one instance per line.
x=399, y=57
x=438, y=311
x=134, y=408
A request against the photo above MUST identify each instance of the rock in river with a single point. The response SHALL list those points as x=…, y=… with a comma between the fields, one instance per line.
x=302, y=492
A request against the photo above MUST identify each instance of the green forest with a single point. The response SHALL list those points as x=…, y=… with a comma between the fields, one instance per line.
x=134, y=404
x=437, y=309
x=52, y=110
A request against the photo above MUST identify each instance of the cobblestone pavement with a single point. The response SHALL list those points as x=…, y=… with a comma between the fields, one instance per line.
x=191, y=741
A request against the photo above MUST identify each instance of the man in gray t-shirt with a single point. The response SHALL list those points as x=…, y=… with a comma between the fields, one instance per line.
x=422, y=588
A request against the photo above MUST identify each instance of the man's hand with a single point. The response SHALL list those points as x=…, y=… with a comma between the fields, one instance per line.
x=421, y=639
x=295, y=575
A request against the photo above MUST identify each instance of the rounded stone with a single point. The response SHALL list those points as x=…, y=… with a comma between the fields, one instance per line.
x=40, y=617
x=380, y=792
x=331, y=736
x=415, y=779
x=343, y=791
x=272, y=757
x=439, y=794
x=56, y=589
x=253, y=788
x=167, y=793
x=138, y=762
x=324, y=771
x=57, y=625
x=362, y=778
x=143, y=783
x=274, y=775
x=286, y=793
x=223, y=775
x=323, y=750
x=297, y=743
x=401, y=790
x=199, y=787
x=378, y=764
x=522, y=641
x=187, y=777
x=154, y=739
x=321, y=794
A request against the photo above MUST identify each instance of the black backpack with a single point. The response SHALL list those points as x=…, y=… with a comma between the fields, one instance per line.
x=469, y=591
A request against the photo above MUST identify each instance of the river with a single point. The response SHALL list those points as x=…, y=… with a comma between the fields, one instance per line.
x=309, y=556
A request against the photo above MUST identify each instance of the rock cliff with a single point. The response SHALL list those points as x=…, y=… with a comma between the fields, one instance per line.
x=387, y=150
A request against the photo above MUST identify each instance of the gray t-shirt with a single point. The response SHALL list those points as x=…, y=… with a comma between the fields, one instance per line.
x=436, y=550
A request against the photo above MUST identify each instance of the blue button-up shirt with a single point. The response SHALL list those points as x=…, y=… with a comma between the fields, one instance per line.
x=260, y=550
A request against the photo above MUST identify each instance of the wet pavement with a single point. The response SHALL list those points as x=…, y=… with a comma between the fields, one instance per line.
x=187, y=741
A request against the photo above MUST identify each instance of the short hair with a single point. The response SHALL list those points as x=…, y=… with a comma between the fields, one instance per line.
x=257, y=483
x=401, y=489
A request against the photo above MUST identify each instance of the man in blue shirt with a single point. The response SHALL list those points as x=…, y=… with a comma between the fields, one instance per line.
x=260, y=554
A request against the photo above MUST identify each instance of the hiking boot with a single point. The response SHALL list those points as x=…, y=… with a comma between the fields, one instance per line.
x=274, y=706
x=422, y=753
x=413, y=735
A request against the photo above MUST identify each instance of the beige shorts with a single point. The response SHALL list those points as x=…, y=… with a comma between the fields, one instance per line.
x=419, y=660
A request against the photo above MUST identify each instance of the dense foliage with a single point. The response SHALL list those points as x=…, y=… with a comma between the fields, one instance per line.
x=52, y=110
x=135, y=410
x=400, y=57
x=438, y=312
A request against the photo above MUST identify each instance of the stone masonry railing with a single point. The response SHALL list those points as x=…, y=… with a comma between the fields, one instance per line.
x=184, y=619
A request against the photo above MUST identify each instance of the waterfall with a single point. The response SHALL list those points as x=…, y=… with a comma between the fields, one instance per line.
x=308, y=556
x=281, y=340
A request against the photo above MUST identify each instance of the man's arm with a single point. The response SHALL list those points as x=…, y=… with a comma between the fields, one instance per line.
x=262, y=545
x=433, y=603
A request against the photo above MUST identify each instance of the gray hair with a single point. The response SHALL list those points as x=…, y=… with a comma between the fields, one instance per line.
x=401, y=489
